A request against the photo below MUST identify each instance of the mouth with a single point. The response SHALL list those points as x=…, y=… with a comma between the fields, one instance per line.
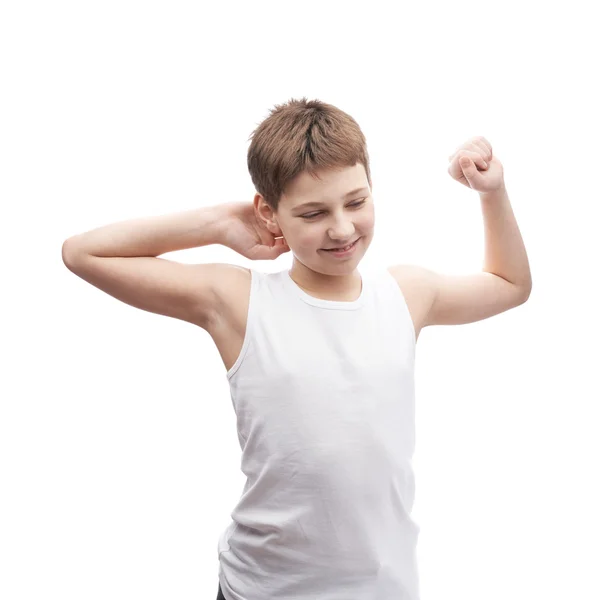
x=342, y=251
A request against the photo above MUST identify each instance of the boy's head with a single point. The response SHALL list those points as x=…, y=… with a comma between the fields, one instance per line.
x=310, y=151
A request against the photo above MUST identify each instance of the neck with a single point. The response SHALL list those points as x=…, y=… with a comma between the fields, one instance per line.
x=329, y=287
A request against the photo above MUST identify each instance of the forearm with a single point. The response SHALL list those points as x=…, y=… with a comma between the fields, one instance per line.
x=152, y=236
x=505, y=253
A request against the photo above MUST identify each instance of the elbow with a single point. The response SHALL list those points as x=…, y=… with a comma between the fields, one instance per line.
x=525, y=293
x=69, y=252
x=66, y=252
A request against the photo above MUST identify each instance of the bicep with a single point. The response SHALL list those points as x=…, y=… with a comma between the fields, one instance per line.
x=461, y=299
x=441, y=299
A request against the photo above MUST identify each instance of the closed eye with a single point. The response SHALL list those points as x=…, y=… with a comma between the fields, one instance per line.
x=353, y=205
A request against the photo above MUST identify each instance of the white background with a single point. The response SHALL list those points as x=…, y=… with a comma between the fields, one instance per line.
x=119, y=458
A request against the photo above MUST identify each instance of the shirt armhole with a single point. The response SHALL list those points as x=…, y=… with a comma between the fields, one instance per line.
x=406, y=310
x=249, y=324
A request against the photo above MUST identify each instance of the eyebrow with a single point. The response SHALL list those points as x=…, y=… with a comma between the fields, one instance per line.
x=316, y=203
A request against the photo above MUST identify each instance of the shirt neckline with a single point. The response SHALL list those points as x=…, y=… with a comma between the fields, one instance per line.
x=322, y=303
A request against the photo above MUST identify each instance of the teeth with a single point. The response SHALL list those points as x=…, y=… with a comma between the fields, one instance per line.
x=344, y=248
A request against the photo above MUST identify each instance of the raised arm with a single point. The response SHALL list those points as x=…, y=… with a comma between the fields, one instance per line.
x=122, y=260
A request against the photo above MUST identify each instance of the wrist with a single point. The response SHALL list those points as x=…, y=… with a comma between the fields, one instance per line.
x=500, y=191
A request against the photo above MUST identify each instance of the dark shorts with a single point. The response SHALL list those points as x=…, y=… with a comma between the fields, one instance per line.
x=220, y=594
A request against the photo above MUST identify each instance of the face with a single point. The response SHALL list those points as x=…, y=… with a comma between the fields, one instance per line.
x=315, y=215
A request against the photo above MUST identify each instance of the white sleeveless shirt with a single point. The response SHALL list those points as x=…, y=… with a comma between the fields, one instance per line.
x=324, y=396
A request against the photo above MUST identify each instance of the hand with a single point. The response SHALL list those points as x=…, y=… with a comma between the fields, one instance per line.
x=474, y=165
x=245, y=233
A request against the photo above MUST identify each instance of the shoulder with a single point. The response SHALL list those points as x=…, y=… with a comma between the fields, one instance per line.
x=233, y=291
x=412, y=277
x=235, y=275
x=418, y=288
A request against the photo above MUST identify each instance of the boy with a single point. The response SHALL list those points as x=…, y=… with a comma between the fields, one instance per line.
x=320, y=357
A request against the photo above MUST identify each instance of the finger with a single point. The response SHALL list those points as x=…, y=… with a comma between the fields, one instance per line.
x=474, y=156
x=485, y=142
x=281, y=245
x=470, y=171
x=468, y=147
x=475, y=143
x=275, y=251
x=486, y=148
x=264, y=252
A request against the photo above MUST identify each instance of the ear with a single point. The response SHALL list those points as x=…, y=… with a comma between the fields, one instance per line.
x=267, y=215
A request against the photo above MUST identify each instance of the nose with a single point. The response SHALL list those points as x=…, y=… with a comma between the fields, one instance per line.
x=342, y=231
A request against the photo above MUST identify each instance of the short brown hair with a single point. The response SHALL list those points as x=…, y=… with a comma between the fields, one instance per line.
x=303, y=135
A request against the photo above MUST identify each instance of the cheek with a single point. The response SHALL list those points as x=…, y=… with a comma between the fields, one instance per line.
x=309, y=240
x=304, y=238
x=366, y=221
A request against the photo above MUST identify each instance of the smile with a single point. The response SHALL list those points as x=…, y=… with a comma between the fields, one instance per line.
x=342, y=251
